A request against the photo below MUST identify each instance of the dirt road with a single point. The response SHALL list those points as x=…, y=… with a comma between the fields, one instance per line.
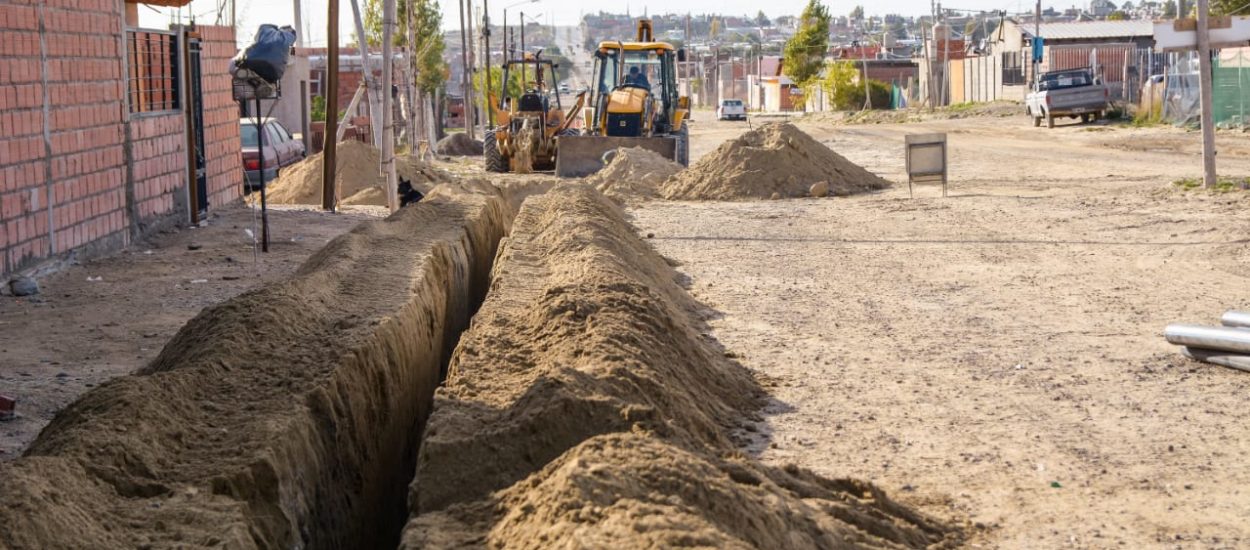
x=996, y=356
x=108, y=317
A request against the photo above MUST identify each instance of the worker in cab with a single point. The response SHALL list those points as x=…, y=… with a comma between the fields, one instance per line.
x=637, y=77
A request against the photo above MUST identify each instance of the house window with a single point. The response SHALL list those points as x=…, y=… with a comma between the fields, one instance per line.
x=153, y=78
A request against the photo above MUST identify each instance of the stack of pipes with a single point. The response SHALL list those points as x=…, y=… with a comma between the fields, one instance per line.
x=1227, y=345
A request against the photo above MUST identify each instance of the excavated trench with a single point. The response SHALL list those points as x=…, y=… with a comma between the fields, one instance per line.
x=583, y=406
x=287, y=417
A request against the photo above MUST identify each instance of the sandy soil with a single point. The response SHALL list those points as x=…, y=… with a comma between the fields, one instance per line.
x=995, y=356
x=78, y=333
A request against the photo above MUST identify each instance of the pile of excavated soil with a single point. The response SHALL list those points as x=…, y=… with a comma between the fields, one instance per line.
x=635, y=174
x=357, y=174
x=287, y=417
x=585, y=408
x=776, y=158
x=458, y=144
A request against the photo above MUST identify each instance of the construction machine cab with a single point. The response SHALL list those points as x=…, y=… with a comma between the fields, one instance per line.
x=634, y=102
x=635, y=92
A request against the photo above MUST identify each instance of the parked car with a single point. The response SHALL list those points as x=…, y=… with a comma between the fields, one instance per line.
x=564, y=88
x=281, y=150
x=731, y=109
x=1070, y=93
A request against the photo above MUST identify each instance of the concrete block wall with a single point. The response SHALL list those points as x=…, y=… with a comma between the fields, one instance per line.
x=65, y=185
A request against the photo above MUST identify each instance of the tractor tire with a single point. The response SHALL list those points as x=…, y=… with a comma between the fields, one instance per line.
x=1050, y=120
x=683, y=145
x=490, y=153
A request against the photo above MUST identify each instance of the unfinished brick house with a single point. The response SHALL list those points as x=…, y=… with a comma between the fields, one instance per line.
x=106, y=129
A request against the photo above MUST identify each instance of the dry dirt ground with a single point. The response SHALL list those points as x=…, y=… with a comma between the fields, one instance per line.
x=79, y=331
x=995, y=356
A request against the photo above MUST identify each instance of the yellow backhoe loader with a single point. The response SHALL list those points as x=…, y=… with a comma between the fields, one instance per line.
x=634, y=102
x=524, y=137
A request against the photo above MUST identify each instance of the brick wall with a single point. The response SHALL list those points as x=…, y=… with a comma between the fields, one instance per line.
x=158, y=149
x=221, y=117
x=65, y=135
x=61, y=155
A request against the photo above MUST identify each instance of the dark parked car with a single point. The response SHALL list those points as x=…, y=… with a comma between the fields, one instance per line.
x=281, y=150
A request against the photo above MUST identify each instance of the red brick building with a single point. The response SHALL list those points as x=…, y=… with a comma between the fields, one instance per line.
x=107, y=130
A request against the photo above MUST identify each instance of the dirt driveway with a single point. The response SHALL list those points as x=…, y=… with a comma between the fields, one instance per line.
x=996, y=356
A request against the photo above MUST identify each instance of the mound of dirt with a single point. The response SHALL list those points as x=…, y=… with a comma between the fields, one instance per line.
x=357, y=171
x=458, y=144
x=634, y=174
x=630, y=490
x=585, y=407
x=775, y=158
x=287, y=417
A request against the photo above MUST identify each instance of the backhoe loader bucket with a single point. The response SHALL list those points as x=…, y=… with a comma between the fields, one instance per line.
x=581, y=156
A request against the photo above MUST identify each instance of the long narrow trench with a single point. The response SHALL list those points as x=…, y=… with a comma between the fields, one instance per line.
x=389, y=526
x=287, y=417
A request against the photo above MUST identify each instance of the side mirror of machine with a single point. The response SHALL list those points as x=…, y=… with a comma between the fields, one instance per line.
x=681, y=55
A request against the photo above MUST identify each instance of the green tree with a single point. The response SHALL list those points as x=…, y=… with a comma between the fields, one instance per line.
x=714, y=30
x=496, y=78
x=857, y=13
x=1169, y=9
x=805, y=51
x=1229, y=7
x=318, y=111
x=1117, y=15
x=427, y=22
x=845, y=90
x=761, y=20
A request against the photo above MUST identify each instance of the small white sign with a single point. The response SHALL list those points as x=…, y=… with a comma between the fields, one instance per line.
x=1182, y=34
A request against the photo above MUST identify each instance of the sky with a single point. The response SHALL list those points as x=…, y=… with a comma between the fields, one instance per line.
x=252, y=13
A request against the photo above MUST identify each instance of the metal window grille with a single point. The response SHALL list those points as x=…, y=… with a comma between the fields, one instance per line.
x=153, y=79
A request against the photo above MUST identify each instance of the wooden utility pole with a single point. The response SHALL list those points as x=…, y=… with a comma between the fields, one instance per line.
x=1204, y=88
x=388, y=110
x=331, y=91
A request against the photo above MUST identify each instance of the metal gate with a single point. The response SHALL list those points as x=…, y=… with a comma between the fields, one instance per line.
x=195, y=130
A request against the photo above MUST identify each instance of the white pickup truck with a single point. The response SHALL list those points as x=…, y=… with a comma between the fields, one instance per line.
x=1070, y=93
x=731, y=109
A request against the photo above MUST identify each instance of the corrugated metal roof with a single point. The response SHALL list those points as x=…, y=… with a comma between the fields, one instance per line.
x=1093, y=29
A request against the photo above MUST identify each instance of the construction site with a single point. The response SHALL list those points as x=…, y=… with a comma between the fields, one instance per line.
x=588, y=330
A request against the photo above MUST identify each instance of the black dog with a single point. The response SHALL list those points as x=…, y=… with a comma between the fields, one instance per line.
x=408, y=194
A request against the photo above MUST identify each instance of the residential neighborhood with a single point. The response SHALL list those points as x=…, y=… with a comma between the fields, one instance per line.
x=426, y=274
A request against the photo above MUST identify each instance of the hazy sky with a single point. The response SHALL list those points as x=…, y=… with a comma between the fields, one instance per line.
x=252, y=13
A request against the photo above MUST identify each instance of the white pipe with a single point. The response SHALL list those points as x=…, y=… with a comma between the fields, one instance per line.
x=1223, y=359
x=1236, y=319
x=1216, y=338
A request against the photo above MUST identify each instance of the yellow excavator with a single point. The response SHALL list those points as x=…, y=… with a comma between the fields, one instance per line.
x=634, y=102
x=524, y=137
